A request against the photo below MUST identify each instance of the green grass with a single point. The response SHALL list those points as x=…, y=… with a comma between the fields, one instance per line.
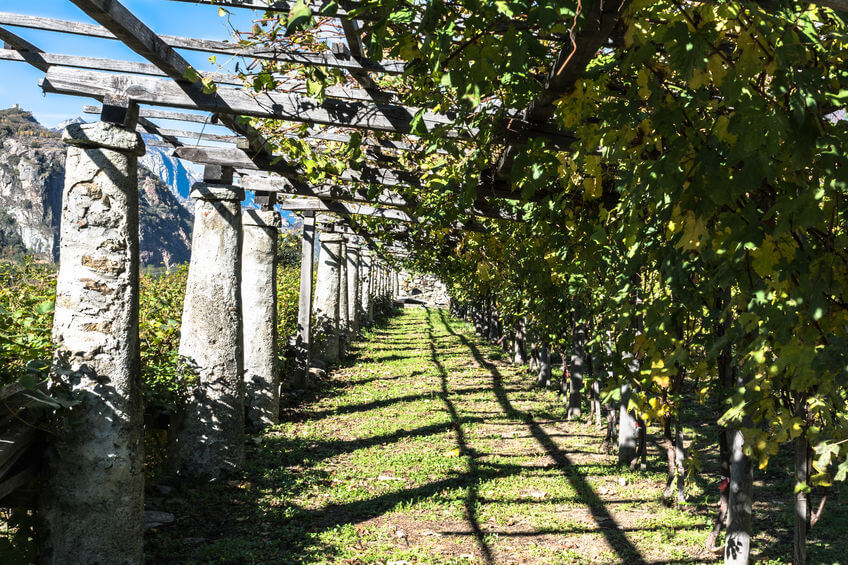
x=425, y=448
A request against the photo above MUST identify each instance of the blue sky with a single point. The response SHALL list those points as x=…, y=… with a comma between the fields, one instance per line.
x=19, y=81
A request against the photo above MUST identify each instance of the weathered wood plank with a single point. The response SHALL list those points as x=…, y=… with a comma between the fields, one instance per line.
x=240, y=159
x=43, y=60
x=326, y=191
x=146, y=125
x=123, y=24
x=345, y=209
x=277, y=6
x=318, y=205
x=280, y=106
x=330, y=191
x=196, y=135
x=18, y=43
x=206, y=45
x=156, y=113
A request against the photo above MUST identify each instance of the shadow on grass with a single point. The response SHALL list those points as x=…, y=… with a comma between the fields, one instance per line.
x=613, y=533
x=254, y=519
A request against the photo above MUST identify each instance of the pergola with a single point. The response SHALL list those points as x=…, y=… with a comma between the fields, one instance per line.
x=94, y=488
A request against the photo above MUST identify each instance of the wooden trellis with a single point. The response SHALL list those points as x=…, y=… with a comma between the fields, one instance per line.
x=167, y=82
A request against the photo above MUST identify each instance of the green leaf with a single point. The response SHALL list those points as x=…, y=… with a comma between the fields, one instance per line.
x=191, y=75
x=300, y=17
x=330, y=9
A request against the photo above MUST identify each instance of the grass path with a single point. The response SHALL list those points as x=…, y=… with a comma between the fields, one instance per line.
x=425, y=448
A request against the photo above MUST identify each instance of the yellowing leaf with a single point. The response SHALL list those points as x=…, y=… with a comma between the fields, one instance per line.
x=642, y=83
x=717, y=69
x=796, y=428
x=765, y=258
x=693, y=232
x=592, y=188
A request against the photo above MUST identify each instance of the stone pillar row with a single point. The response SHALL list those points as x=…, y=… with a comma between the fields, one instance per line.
x=90, y=508
x=352, y=285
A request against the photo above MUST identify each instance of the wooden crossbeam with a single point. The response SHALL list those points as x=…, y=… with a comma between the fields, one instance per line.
x=318, y=205
x=232, y=101
x=155, y=113
x=279, y=6
x=197, y=136
x=150, y=127
x=252, y=181
x=349, y=209
x=326, y=191
x=204, y=45
x=569, y=66
x=29, y=53
x=240, y=159
x=44, y=60
x=122, y=24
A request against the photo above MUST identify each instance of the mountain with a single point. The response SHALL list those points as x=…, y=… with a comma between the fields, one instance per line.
x=62, y=125
x=32, y=175
x=170, y=169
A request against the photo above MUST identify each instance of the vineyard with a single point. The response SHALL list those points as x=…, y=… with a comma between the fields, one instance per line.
x=641, y=206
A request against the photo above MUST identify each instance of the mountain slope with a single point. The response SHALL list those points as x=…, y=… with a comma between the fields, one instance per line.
x=32, y=174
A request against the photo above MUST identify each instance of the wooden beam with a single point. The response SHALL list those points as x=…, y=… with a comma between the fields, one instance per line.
x=156, y=113
x=34, y=55
x=203, y=45
x=318, y=205
x=232, y=101
x=345, y=209
x=570, y=64
x=278, y=6
x=152, y=128
x=121, y=23
x=198, y=136
x=325, y=191
x=43, y=60
x=240, y=159
x=329, y=191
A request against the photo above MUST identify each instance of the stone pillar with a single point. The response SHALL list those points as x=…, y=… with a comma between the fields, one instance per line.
x=377, y=292
x=208, y=438
x=259, y=309
x=303, y=340
x=326, y=335
x=91, y=504
x=344, y=322
x=353, y=298
x=365, y=288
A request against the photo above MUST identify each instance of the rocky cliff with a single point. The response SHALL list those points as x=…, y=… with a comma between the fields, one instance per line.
x=32, y=174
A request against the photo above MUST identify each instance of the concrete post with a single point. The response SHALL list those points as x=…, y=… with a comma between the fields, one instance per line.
x=208, y=439
x=353, y=297
x=326, y=336
x=344, y=322
x=91, y=504
x=259, y=309
x=365, y=288
x=377, y=278
x=302, y=355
